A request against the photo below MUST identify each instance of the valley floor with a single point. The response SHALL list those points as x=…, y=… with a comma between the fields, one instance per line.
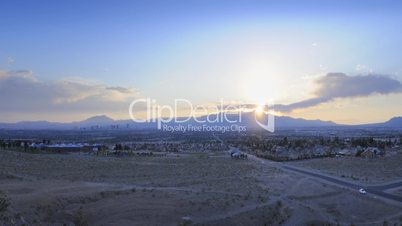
x=204, y=189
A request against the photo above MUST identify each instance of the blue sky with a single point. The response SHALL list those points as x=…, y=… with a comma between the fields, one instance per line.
x=203, y=50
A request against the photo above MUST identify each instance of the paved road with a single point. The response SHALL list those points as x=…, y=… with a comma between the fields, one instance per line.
x=327, y=178
x=387, y=186
x=377, y=190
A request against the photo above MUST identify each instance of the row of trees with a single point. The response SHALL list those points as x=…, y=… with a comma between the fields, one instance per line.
x=268, y=143
x=371, y=142
x=4, y=144
x=8, y=144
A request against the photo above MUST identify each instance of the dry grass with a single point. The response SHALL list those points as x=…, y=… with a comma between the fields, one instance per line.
x=211, y=189
x=381, y=169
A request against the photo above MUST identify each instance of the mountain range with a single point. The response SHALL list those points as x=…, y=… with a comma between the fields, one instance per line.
x=247, y=119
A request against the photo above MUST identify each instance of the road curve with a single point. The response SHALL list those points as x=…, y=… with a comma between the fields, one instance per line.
x=377, y=190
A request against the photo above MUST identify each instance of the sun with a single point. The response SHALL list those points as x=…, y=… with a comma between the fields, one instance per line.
x=259, y=83
x=259, y=109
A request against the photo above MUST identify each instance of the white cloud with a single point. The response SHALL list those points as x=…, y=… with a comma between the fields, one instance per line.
x=361, y=68
x=21, y=91
x=10, y=60
x=340, y=85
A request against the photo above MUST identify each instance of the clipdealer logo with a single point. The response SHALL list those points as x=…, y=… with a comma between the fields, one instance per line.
x=200, y=118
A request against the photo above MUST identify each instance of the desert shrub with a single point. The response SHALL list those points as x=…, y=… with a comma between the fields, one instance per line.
x=185, y=221
x=359, y=153
x=80, y=219
x=279, y=204
x=4, y=202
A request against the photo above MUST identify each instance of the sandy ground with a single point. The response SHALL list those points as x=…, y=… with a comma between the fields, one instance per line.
x=372, y=171
x=206, y=189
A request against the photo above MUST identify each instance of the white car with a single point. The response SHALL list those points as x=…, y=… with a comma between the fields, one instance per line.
x=362, y=191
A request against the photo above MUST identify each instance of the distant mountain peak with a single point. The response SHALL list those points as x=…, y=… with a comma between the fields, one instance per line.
x=394, y=122
x=99, y=119
x=247, y=119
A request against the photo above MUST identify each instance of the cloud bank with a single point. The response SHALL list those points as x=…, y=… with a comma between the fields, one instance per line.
x=21, y=91
x=340, y=85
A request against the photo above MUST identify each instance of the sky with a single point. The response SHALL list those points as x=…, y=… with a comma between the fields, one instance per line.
x=69, y=60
